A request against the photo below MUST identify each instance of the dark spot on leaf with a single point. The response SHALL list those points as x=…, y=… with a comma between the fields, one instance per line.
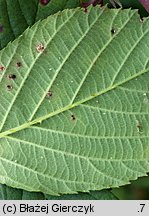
x=49, y=94
x=18, y=64
x=113, y=31
x=138, y=125
x=9, y=87
x=2, y=68
x=12, y=76
x=85, y=10
x=40, y=47
x=1, y=28
x=44, y=2
x=73, y=117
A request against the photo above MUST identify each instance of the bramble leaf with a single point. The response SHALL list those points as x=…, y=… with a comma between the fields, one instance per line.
x=74, y=111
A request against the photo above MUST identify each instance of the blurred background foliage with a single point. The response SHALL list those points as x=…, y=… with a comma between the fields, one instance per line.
x=134, y=4
x=137, y=190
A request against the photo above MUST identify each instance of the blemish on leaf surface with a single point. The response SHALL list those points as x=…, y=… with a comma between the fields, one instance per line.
x=9, y=87
x=138, y=125
x=12, y=76
x=2, y=68
x=113, y=31
x=18, y=64
x=73, y=117
x=49, y=94
x=40, y=47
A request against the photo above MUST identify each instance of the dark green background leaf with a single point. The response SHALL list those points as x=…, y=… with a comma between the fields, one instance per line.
x=8, y=193
x=135, y=4
x=17, y=15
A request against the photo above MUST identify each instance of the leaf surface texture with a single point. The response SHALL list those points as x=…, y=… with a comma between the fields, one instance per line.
x=75, y=118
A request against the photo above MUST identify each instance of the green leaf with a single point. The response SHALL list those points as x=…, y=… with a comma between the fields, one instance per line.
x=94, y=195
x=8, y=193
x=75, y=118
x=10, y=13
x=54, y=6
x=27, y=12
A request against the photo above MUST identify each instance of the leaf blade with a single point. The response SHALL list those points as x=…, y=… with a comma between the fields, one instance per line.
x=83, y=141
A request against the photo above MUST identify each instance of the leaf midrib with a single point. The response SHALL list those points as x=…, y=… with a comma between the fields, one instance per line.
x=68, y=107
